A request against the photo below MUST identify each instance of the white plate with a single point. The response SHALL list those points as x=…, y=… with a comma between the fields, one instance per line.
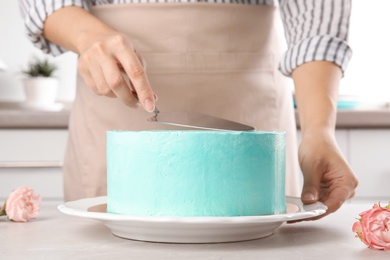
x=190, y=229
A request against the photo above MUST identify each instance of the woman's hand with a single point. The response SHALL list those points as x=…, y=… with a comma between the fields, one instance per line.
x=104, y=53
x=101, y=64
x=327, y=176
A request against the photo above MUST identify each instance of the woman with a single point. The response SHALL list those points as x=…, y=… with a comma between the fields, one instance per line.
x=213, y=58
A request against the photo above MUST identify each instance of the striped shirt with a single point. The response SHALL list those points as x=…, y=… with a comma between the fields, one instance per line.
x=314, y=29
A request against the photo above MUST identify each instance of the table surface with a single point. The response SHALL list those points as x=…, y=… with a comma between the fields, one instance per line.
x=54, y=235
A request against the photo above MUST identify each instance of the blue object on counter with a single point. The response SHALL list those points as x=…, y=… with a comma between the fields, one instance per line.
x=347, y=104
x=342, y=104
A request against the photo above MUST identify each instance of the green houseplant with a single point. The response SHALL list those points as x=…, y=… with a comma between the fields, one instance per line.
x=40, y=86
x=40, y=68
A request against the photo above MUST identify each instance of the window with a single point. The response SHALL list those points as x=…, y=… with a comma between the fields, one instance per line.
x=368, y=74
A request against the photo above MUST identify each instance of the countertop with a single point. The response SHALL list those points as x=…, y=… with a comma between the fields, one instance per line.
x=17, y=115
x=360, y=118
x=20, y=115
x=53, y=235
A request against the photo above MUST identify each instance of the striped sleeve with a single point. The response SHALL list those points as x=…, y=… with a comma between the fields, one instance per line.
x=315, y=30
x=35, y=13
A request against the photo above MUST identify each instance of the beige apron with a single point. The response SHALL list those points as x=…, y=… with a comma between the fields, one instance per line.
x=218, y=59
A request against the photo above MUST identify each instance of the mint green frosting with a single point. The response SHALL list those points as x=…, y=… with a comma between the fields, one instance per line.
x=196, y=173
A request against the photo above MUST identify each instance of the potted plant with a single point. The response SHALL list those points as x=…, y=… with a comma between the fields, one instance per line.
x=40, y=86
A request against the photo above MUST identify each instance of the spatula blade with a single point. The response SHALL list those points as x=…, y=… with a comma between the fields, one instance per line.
x=199, y=121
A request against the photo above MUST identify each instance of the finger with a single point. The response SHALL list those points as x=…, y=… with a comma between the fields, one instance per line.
x=88, y=79
x=89, y=66
x=141, y=59
x=141, y=86
x=117, y=83
x=100, y=81
x=334, y=203
x=312, y=182
x=136, y=73
x=144, y=65
x=338, y=194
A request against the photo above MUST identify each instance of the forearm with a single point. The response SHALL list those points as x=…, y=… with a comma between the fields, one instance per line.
x=327, y=177
x=74, y=28
x=316, y=92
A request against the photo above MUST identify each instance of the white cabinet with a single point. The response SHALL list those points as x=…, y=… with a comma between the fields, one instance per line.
x=32, y=157
x=370, y=159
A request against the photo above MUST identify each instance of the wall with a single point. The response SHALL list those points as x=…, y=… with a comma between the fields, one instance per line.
x=16, y=51
x=367, y=73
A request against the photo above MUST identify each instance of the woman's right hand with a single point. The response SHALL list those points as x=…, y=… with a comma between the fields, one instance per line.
x=101, y=63
x=103, y=55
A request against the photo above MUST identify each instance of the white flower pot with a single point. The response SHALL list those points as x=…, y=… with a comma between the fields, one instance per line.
x=41, y=90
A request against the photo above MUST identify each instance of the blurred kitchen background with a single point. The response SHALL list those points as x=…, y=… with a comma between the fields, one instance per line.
x=32, y=140
x=16, y=51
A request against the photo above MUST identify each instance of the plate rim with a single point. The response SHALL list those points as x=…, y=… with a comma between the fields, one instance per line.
x=79, y=208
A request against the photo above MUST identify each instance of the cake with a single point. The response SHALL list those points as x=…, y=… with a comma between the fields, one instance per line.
x=192, y=173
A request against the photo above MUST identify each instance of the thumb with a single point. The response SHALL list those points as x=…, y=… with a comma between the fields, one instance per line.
x=311, y=186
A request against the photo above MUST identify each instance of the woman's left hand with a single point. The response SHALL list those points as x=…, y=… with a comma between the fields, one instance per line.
x=327, y=176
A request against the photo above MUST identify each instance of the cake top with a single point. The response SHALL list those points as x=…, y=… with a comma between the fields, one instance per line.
x=214, y=132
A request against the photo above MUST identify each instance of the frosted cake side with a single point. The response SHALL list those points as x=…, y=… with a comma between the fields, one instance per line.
x=196, y=173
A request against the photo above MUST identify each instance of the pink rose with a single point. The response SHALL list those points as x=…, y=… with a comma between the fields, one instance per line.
x=373, y=227
x=22, y=205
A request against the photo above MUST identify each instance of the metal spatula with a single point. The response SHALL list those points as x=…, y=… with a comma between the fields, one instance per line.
x=192, y=119
x=197, y=120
